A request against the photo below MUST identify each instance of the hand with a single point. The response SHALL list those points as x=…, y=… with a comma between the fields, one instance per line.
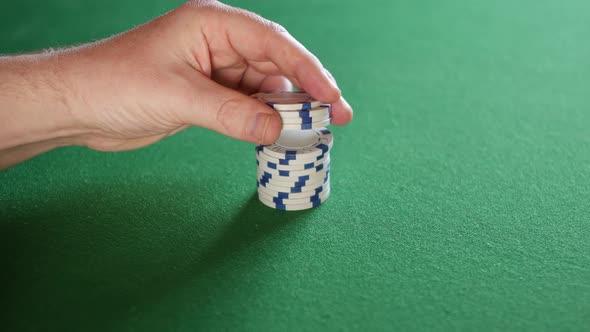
x=193, y=66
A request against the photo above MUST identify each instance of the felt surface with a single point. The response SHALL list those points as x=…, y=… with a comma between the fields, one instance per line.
x=460, y=193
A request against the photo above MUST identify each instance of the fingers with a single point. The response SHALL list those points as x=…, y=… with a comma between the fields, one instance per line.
x=250, y=53
x=341, y=110
x=253, y=81
x=233, y=114
x=275, y=83
x=257, y=39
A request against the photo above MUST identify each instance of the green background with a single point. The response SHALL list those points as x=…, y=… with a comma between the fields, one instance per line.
x=460, y=192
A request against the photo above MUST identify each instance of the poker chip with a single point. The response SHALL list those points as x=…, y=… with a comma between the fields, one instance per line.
x=294, y=207
x=300, y=144
x=312, y=115
x=266, y=164
x=295, y=201
x=296, y=188
x=288, y=101
x=302, y=194
x=303, y=180
x=293, y=181
x=304, y=126
x=288, y=163
x=305, y=120
x=293, y=173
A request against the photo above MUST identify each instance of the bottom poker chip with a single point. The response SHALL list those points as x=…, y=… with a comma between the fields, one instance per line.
x=277, y=204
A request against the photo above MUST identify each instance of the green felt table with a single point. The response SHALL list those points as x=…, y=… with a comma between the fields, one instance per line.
x=460, y=192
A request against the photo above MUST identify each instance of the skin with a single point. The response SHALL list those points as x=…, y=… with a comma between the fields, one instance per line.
x=194, y=66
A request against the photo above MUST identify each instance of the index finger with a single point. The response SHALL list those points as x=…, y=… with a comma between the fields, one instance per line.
x=258, y=39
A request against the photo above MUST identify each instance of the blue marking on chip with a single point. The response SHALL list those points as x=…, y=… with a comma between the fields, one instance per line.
x=306, y=122
x=304, y=115
x=323, y=147
x=314, y=197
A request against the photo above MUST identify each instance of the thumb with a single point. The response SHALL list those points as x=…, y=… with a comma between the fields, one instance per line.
x=233, y=114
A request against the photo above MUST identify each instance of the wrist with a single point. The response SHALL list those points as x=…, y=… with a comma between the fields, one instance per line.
x=35, y=102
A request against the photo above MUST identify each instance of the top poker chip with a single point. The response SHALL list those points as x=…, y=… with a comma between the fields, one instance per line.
x=288, y=101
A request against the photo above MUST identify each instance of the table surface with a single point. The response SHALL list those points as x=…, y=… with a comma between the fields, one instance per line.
x=460, y=192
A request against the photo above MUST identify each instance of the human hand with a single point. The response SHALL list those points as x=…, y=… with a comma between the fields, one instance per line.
x=196, y=66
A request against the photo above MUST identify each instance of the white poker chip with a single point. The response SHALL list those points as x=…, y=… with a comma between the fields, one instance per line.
x=296, y=188
x=288, y=101
x=300, y=121
x=292, y=181
x=268, y=162
x=312, y=114
x=295, y=173
x=307, y=126
x=303, y=194
x=300, y=145
x=294, y=207
x=294, y=201
x=291, y=186
x=288, y=164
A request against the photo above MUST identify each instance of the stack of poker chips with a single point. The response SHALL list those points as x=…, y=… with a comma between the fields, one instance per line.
x=294, y=172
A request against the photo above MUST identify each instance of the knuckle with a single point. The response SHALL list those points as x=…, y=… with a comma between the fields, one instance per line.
x=202, y=3
x=269, y=25
x=302, y=61
x=274, y=26
x=226, y=114
x=313, y=59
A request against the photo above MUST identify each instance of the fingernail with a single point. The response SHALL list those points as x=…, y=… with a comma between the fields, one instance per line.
x=258, y=125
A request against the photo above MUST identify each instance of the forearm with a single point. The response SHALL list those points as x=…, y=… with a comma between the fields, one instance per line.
x=34, y=112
